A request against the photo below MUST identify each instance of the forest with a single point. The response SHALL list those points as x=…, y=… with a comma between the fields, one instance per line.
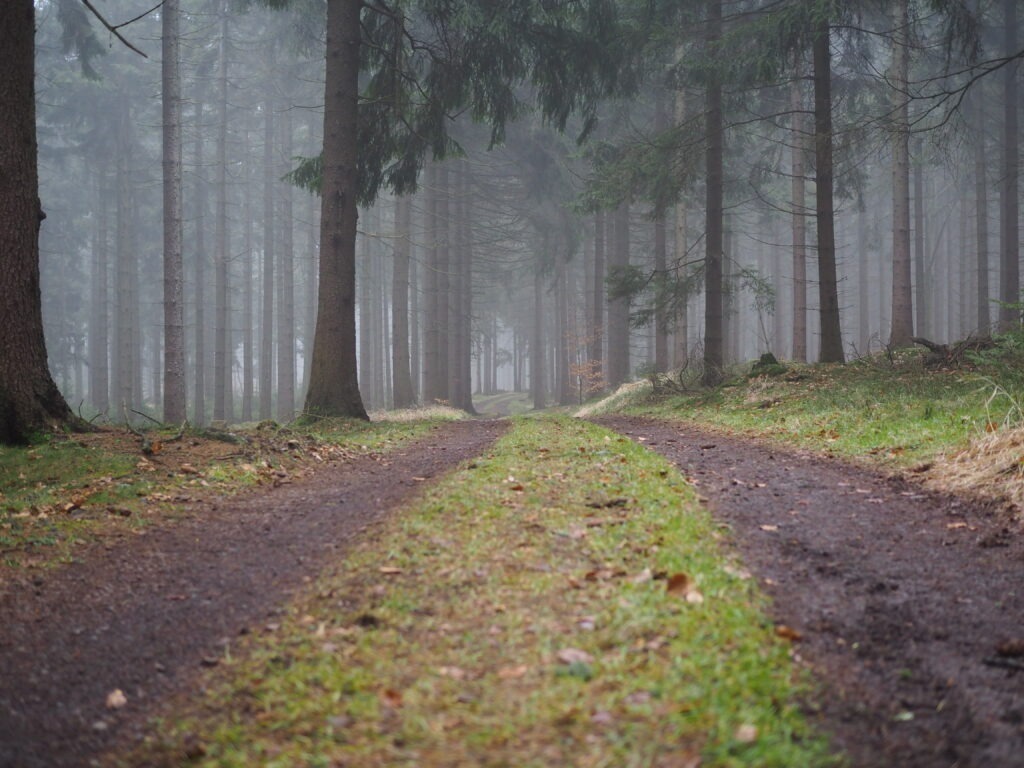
x=434, y=383
x=534, y=219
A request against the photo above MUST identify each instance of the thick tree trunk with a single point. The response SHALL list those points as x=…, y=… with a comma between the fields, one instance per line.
x=661, y=324
x=30, y=402
x=902, y=296
x=174, y=275
x=831, y=348
x=442, y=237
x=333, y=386
x=1009, y=227
x=402, y=392
x=714, y=352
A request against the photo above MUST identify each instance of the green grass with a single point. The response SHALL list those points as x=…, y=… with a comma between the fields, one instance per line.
x=518, y=615
x=898, y=414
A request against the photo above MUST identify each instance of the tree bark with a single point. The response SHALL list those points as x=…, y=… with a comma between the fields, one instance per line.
x=799, y=228
x=714, y=352
x=597, y=329
x=249, y=266
x=831, y=348
x=981, y=215
x=174, y=275
x=618, y=309
x=1009, y=227
x=402, y=392
x=286, y=291
x=30, y=402
x=267, y=298
x=222, y=334
x=538, y=389
x=902, y=297
x=99, y=342
x=199, y=364
x=333, y=386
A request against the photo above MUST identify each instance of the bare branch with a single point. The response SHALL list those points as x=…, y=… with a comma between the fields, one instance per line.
x=112, y=29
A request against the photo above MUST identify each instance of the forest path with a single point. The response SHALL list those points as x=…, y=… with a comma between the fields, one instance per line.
x=143, y=614
x=910, y=604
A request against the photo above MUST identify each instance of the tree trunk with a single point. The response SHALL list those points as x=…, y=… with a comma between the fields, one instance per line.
x=799, y=187
x=714, y=352
x=924, y=300
x=661, y=324
x=596, y=335
x=537, y=383
x=267, y=299
x=618, y=309
x=199, y=364
x=902, y=297
x=99, y=342
x=221, y=361
x=174, y=274
x=286, y=291
x=400, y=370
x=444, y=314
x=831, y=349
x=431, y=323
x=333, y=386
x=981, y=215
x=1009, y=228
x=29, y=400
x=249, y=266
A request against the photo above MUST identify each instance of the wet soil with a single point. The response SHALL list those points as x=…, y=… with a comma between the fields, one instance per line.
x=145, y=613
x=910, y=604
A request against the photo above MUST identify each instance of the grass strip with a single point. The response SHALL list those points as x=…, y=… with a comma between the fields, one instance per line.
x=561, y=601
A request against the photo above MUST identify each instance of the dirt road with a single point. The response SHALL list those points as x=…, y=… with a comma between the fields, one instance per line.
x=910, y=604
x=143, y=615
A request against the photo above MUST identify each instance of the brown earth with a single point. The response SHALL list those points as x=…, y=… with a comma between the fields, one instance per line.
x=142, y=613
x=909, y=605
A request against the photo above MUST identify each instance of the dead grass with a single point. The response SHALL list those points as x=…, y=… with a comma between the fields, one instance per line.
x=991, y=466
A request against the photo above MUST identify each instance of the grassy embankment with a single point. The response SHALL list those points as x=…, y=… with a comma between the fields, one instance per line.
x=961, y=429
x=67, y=491
x=560, y=601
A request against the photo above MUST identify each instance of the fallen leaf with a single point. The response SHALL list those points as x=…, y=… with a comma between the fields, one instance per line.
x=389, y=697
x=769, y=528
x=644, y=576
x=516, y=487
x=188, y=469
x=116, y=699
x=388, y=570
x=746, y=734
x=574, y=656
x=954, y=526
x=788, y=633
x=681, y=585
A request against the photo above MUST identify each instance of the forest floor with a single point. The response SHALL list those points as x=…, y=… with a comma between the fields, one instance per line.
x=556, y=598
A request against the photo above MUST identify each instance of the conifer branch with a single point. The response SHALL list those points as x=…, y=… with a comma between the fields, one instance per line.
x=112, y=29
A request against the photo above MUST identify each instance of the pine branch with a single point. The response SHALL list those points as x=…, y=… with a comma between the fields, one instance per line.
x=112, y=29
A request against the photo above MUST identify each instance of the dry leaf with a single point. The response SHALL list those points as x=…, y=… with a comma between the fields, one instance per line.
x=574, y=656
x=116, y=699
x=788, y=633
x=681, y=585
x=746, y=734
x=389, y=570
x=769, y=528
x=389, y=697
x=455, y=673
